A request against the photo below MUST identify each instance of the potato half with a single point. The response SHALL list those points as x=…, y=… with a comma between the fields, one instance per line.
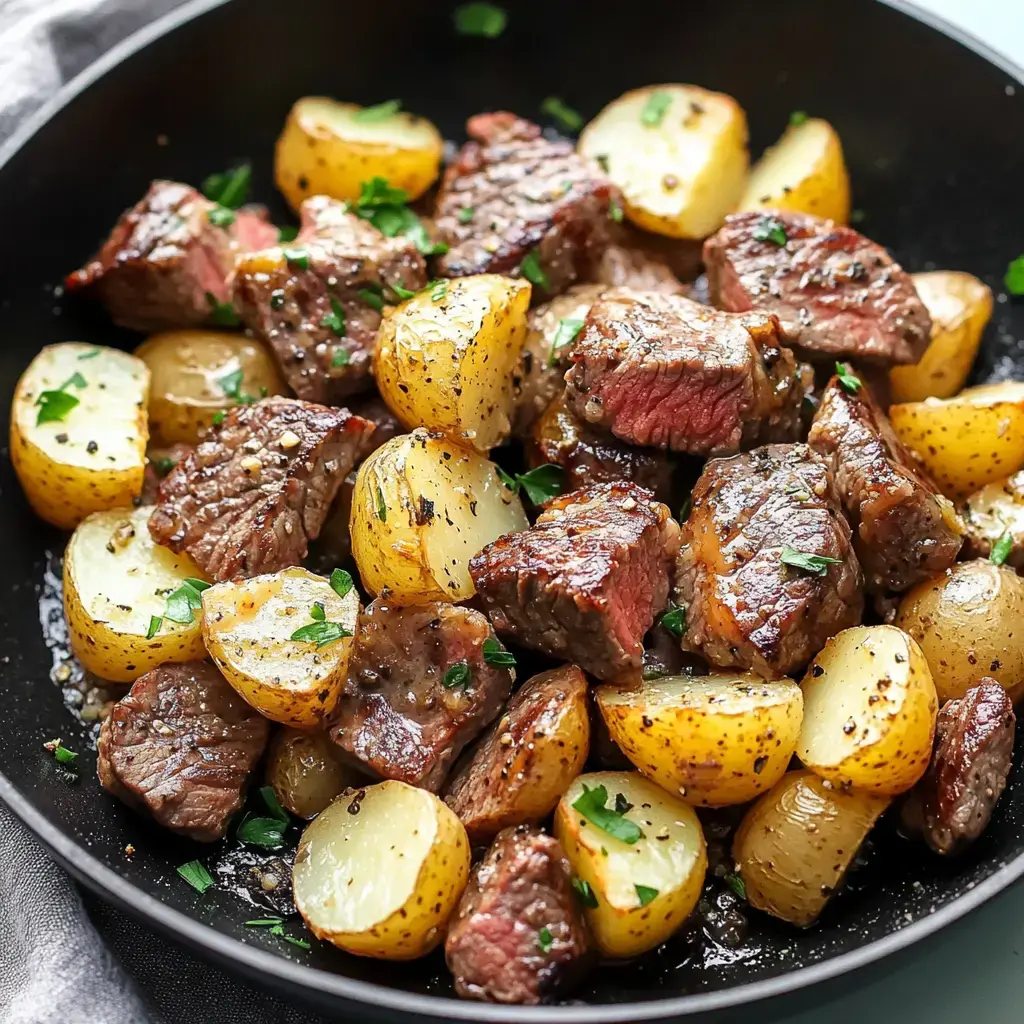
x=248, y=629
x=330, y=148
x=960, y=306
x=306, y=771
x=679, y=154
x=446, y=362
x=645, y=889
x=869, y=711
x=380, y=871
x=422, y=508
x=116, y=582
x=714, y=740
x=92, y=457
x=794, y=845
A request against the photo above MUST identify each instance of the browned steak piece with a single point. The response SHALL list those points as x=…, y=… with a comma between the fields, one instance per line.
x=953, y=803
x=623, y=267
x=159, y=462
x=837, y=293
x=166, y=264
x=252, y=495
x=586, y=581
x=519, y=935
x=317, y=301
x=904, y=530
x=512, y=195
x=751, y=597
x=994, y=514
x=181, y=745
x=590, y=456
x=664, y=371
x=418, y=690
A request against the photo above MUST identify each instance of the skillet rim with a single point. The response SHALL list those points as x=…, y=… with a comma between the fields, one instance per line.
x=257, y=964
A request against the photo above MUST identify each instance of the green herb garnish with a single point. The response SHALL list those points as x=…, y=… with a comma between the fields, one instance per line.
x=615, y=211
x=543, y=483
x=568, y=329
x=1014, y=279
x=1001, y=549
x=196, y=875
x=341, y=357
x=495, y=654
x=674, y=620
x=738, y=886
x=264, y=922
x=816, y=565
x=222, y=314
x=186, y=600
x=335, y=320
x=155, y=622
x=341, y=582
x=231, y=384
x=586, y=893
x=267, y=833
x=655, y=109
x=645, y=894
x=768, y=229
x=591, y=804
x=221, y=217
x=273, y=804
x=55, y=405
x=321, y=633
x=466, y=214
x=458, y=675
x=380, y=112
x=382, y=509
x=797, y=118
x=62, y=755
x=218, y=418
x=385, y=208
x=544, y=939
x=374, y=299
x=286, y=234
x=438, y=290
x=91, y=354
x=402, y=292
x=480, y=19
x=559, y=111
x=533, y=271
x=230, y=189
x=297, y=258
x=846, y=377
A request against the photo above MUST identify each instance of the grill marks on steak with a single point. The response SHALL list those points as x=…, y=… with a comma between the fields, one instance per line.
x=289, y=302
x=165, y=265
x=181, y=745
x=664, y=371
x=836, y=293
x=586, y=581
x=905, y=531
x=396, y=715
x=494, y=949
x=249, y=499
x=745, y=607
x=526, y=194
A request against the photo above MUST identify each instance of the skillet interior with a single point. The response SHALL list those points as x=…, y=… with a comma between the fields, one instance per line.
x=935, y=143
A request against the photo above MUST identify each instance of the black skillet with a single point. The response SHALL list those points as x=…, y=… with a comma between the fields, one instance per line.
x=934, y=137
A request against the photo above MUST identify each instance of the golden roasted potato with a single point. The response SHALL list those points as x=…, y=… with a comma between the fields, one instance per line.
x=444, y=358
x=869, y=711
x=960, y=306
x=306, y=772
x=79, y=447
x=519, y=770
x=380, y=871
x=803, y=171
x=116, y=588
x=422, y=508
x=968, y=441
x=794, y=845
x=995, y=518
x=968, y=624
x=713, y=740
x=679, y=154
x=640, y=850
x=283, y=641
x=197, y=374
x=329, y=148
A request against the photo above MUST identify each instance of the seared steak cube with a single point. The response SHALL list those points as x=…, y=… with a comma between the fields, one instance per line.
x=512, y=195
x=586, y=581
x=317, y=301
x=622, y=267
x=418, y=690
x=665, y=371
x=167, y=263
x=519, y=935
x=766, y=571
x=251, y=496
x=993, y=513
x=837, y=293
x=904, y=530
x=181, y=745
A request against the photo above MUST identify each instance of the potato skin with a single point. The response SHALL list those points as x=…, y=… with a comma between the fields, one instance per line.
x=968, y=624
x=306, y=772
x=712, y=740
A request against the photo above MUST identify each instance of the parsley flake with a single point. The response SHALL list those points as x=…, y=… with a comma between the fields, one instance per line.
x=91, y=354
x=1014, y=279
x=286, y=234
x=655, y=109
x=586, y=893
x=495, y=654
x=230, y=189
x=222, y=314
x=847, y=378
x=231, y=384
x=816, y=565
x=321, y=633
x=62, y=755
x=186, y=600
x=487, y=21
x=738, y=886
x=645, y=894
x=591, y=804
x=341, y=357
x=533, y=271
x=674, y=620
x=567, y=332
x=402, y=292
x=269, y=795
x=768, y=229
x=219, y=417
x=544, y=939
x=560, y=112
x=1001, y=549
x=382, y=509
x=56, y=404
x=466, y=214
x=267, y=833
x=380, y=112
x=196, y=875
x=374, y=298
x=297, y=258
x=155, y=622
x=221, y=217
x=457, y=676
x=335, y=320
x=438, y=290
x=797, y=118
x=385, y=208
x=341, y=582
x=615, y=211
x=543, y=483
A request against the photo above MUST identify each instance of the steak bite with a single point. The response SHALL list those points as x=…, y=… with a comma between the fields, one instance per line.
x=166, y=264
x=511, y=195
x=837, y=294
x=904, y=530
x=766, y=571
x=251, y=496
x=418, y=690
x=317, y=302
x=586, y=581
x=664, y=371
x=519, y=935
x=181, y=745
x=623, y=267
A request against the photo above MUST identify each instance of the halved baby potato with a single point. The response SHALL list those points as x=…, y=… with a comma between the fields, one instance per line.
x=249, y=629
x=646, y=883
x=306, y=771
x=679, y=154
x=79, y=431
x=869, y=711
x=330, y=148
x=423, y=506
x=803, y=171
x=116, y=585
x=446, y=363
x=381, y=870
x=714, y=740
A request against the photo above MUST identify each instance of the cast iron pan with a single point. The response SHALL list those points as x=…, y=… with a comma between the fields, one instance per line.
x=934, y=137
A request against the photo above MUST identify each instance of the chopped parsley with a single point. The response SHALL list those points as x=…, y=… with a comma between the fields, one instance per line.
x=533, y=271
x=402, y=292
x=335, y=320
x=231, y=384
x=738, y=886
x=380, y=112
x=287, y=234
x=385, y=208
x=196, y=875
x=495, y=654
x=1001, y=549
x=655, y=109
x=269, y=795
x=341, y=582
x=230, y=189
x=466, y=214
x=222, y=314
x=320, y=632
x=674, y=620
x=591, y=804
x=768, y=229
x=797, y=118
x=264, y=922
x=56, y=404
x=816, y=565
x=568, y=329
x=480, y=19
x=645, y=894
x=341, y=357
x=91, y=354
x=277, y=298
x=615, y=211
x=221, y=217
x=155, y=622
x=382, y=509
x=297, y=258
x=560, y=112
x=1014, y=279
x=185, y=601
x=544, y=939
x=846, y=377
x=165, y=465
x=61, y=754
x=457, y=676
x=585, y=892
x=438, y=290
x=219, y=417
x=265, y=832
x=540, y=484
x=373, y=297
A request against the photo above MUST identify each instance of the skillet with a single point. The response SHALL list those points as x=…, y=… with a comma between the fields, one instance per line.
x=934, y=139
